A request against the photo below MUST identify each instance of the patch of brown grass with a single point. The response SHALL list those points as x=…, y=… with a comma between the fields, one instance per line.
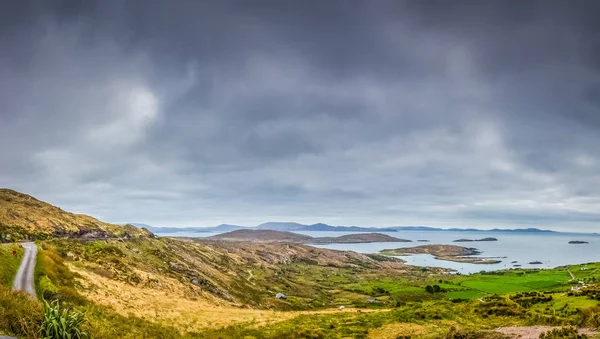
x=184, y=307
x=412, y=330
x=20, y=315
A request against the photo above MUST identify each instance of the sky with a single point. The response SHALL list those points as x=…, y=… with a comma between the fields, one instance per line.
x=372, y=113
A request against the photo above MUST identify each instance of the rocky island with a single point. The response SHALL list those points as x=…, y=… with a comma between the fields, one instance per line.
x=445, y=252
x=280, y=236
x=471, y=240
x=578, y=242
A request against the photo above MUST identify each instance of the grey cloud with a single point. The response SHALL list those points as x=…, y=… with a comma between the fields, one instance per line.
x=371, y=113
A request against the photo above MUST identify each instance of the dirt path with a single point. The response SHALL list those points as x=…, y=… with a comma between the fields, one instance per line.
x=250, y=276
x=24, y=278
x=533, y=332
x=571, y=274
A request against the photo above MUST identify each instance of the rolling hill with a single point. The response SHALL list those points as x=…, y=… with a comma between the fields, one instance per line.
x=23, y=216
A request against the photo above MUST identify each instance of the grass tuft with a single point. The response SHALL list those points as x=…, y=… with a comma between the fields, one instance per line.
x=61, y=323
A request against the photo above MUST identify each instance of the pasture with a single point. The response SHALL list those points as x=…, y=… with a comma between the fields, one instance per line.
x=512, y=281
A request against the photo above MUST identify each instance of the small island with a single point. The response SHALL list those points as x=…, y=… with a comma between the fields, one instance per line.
x=578, y=242
x=445, y=252
x=471, y=240
x=280, y=236
x=535, y=263
x=423, y=240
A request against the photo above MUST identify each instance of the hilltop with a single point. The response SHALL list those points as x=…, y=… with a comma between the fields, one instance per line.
x=22, y=215
x=280, y=236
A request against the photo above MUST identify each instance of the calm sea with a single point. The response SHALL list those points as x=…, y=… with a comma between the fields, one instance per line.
x=552, y=249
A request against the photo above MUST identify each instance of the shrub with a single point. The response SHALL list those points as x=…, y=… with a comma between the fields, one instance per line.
x=20, y=315
x=569, y=332
x=456, y=333
x=47, y=289
x=61, y=323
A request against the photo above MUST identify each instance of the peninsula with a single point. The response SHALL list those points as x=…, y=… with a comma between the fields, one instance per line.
x=471, y=240
x=445, y=252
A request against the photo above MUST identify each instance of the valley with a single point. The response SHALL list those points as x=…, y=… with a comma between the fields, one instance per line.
x=142, y=286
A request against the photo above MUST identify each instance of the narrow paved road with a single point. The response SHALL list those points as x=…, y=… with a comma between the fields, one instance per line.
x=24, y=277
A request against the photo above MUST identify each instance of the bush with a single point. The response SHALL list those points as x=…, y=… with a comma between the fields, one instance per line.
x=61, y=323
x=20, y=315
x=47, y=289
x=456, y=333
x=563, y=333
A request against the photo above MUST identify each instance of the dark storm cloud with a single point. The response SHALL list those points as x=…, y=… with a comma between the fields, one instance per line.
x=446, y=113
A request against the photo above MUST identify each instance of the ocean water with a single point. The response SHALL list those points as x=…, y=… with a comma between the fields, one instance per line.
x=552, y=249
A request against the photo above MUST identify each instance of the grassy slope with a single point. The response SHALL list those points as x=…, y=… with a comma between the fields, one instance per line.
x=120, y=283
x=22, y=215
x=10, y=263
x=19, y=314
x=233, y=274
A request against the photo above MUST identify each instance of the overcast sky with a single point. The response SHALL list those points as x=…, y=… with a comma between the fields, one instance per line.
x=373, y=113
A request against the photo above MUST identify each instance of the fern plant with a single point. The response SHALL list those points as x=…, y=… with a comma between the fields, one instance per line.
x=60, y=323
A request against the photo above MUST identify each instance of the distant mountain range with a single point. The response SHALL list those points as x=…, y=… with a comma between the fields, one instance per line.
x=296, y=227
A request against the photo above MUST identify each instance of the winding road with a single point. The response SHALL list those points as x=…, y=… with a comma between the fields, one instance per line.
x=24, y=277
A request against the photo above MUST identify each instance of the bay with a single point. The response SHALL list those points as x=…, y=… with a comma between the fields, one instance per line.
x=552, y=249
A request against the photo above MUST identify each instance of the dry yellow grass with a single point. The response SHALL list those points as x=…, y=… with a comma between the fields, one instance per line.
x=184, y=307
x=394, y=330
x=24, y=212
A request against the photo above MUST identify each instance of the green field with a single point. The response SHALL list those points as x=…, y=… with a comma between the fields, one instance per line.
x=475, y=286
x=512, y=281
